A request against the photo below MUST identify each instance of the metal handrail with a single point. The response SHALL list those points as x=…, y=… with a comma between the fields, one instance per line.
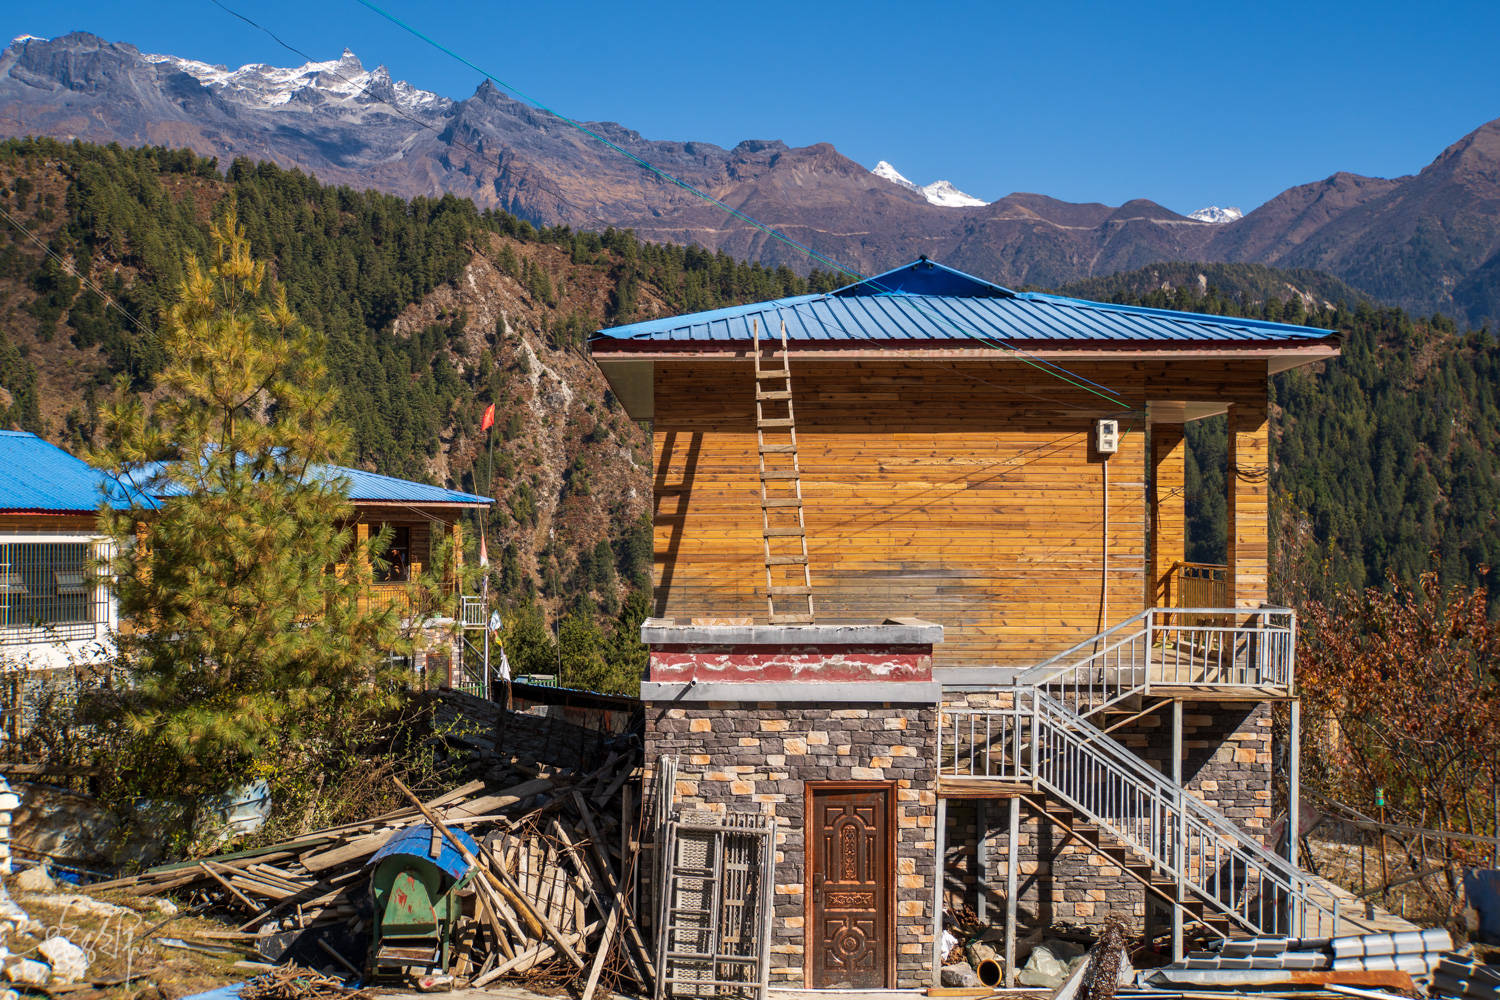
x=1042, y=740
x=1202, y=828
x=1045, y=739
x=1256, y=649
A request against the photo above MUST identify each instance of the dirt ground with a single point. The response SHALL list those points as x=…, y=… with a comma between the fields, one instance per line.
x=150, y=948
x=146, y=946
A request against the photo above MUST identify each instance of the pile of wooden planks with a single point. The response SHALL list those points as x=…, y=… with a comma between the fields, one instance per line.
x=550, y=897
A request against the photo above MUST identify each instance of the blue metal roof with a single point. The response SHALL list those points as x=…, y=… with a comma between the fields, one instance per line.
x=416, y=842
x=925, y=301
x=370, y=487
x=38, y=476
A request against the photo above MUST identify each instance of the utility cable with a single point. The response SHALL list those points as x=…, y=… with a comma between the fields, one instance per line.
x=1041, y=363
x=1058, y=371
x=373, y=95
x=72, y=269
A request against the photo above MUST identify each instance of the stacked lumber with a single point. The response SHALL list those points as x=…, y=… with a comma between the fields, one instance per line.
x=549, y=896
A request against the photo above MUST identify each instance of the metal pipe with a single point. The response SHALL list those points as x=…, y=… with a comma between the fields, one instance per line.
x=1012, y=866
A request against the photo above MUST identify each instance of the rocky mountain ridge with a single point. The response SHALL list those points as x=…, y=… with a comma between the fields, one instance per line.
x=1428, y=242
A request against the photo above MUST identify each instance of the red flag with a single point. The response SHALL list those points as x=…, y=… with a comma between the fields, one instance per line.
x=488, y=420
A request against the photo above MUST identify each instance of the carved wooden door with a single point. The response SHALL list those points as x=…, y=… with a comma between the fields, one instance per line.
x=851, y=878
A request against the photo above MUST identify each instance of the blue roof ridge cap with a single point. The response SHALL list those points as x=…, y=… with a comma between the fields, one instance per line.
x=1069, y=301
x=926, y=263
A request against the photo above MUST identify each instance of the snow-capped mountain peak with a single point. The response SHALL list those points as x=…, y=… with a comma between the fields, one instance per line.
x=937, y=193
x=340, y=79
x=887, y=172
x=1217, y=216
x=27, y=38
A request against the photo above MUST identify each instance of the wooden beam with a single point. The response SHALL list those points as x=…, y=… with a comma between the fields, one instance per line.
x=1167, y=510
x=1248, y=520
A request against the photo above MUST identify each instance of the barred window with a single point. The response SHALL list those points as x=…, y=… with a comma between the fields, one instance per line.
x=46, y=585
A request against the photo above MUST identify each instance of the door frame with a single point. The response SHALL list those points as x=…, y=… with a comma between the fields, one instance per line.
x=810, y=790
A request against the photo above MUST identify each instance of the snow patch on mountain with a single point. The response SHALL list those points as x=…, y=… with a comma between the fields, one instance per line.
x=1217, y=216
x=938, y=192
x=23, y=39
x=341, y=79
x=945, y=194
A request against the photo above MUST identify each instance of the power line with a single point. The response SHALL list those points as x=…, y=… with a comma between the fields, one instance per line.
x=1042, y=364
x=1037, y=362
x=373, y=95
x=71, y=269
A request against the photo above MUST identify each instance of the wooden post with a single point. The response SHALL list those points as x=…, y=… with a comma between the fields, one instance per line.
x=1385, y=875
x=1179, y=851
x=940, y=840
x=362, y=539
x=1168, y=511
x=1012, y=871
x=1248, y=519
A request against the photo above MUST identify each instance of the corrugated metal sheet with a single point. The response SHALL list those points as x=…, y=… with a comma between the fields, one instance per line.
x=416, y=842
x=363, y=486
x=947, y=305
x=373, y=486
x=38, y=476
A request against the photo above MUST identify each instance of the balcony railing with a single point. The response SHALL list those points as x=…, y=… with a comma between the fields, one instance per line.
x=1173, y=647
x=1198, y=585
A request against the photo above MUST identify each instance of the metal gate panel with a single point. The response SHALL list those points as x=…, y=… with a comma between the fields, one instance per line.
x=714, y=928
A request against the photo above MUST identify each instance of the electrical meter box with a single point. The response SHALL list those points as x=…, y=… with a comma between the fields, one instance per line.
x=1106, y=436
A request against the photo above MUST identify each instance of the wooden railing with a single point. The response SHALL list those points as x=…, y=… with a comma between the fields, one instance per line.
x=1198, y=585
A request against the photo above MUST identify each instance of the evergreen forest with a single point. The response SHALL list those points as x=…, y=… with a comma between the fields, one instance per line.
x=1383, y=461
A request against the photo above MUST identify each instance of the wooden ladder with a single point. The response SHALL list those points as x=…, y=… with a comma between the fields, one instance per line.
x=782, y=526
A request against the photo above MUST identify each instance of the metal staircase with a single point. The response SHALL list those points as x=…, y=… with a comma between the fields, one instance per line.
x=782, y=526
x=1179, y=847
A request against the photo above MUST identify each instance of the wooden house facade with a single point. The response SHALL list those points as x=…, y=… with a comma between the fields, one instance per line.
x=989, y=490
x=418, y=519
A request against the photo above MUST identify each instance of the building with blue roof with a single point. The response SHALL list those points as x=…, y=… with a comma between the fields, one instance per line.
x=927, y=396
x=920, y=545
x=417, y=516
x=53, y=614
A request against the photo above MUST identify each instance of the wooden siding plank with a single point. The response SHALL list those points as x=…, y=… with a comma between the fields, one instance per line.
x=964, y=493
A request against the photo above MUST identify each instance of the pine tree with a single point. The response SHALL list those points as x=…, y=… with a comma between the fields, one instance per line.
x=246, y=641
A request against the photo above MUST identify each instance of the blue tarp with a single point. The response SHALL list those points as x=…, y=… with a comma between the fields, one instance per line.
x=229, y=991
x=416, y=842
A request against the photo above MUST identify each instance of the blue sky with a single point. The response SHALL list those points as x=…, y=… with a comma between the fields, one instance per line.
x=1184, y=103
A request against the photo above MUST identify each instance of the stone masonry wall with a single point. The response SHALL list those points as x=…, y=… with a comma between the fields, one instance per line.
x=759, y=757
x=1226, y=763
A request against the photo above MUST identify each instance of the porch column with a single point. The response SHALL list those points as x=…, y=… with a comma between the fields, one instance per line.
x=1168, y=511
x=1248, y=520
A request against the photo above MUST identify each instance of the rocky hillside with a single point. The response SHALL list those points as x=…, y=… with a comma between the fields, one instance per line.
x=432, y=311
x=1429, y=242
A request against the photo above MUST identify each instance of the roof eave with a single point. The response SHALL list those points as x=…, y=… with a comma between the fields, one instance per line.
x=423, y=503
x=1321, y=347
